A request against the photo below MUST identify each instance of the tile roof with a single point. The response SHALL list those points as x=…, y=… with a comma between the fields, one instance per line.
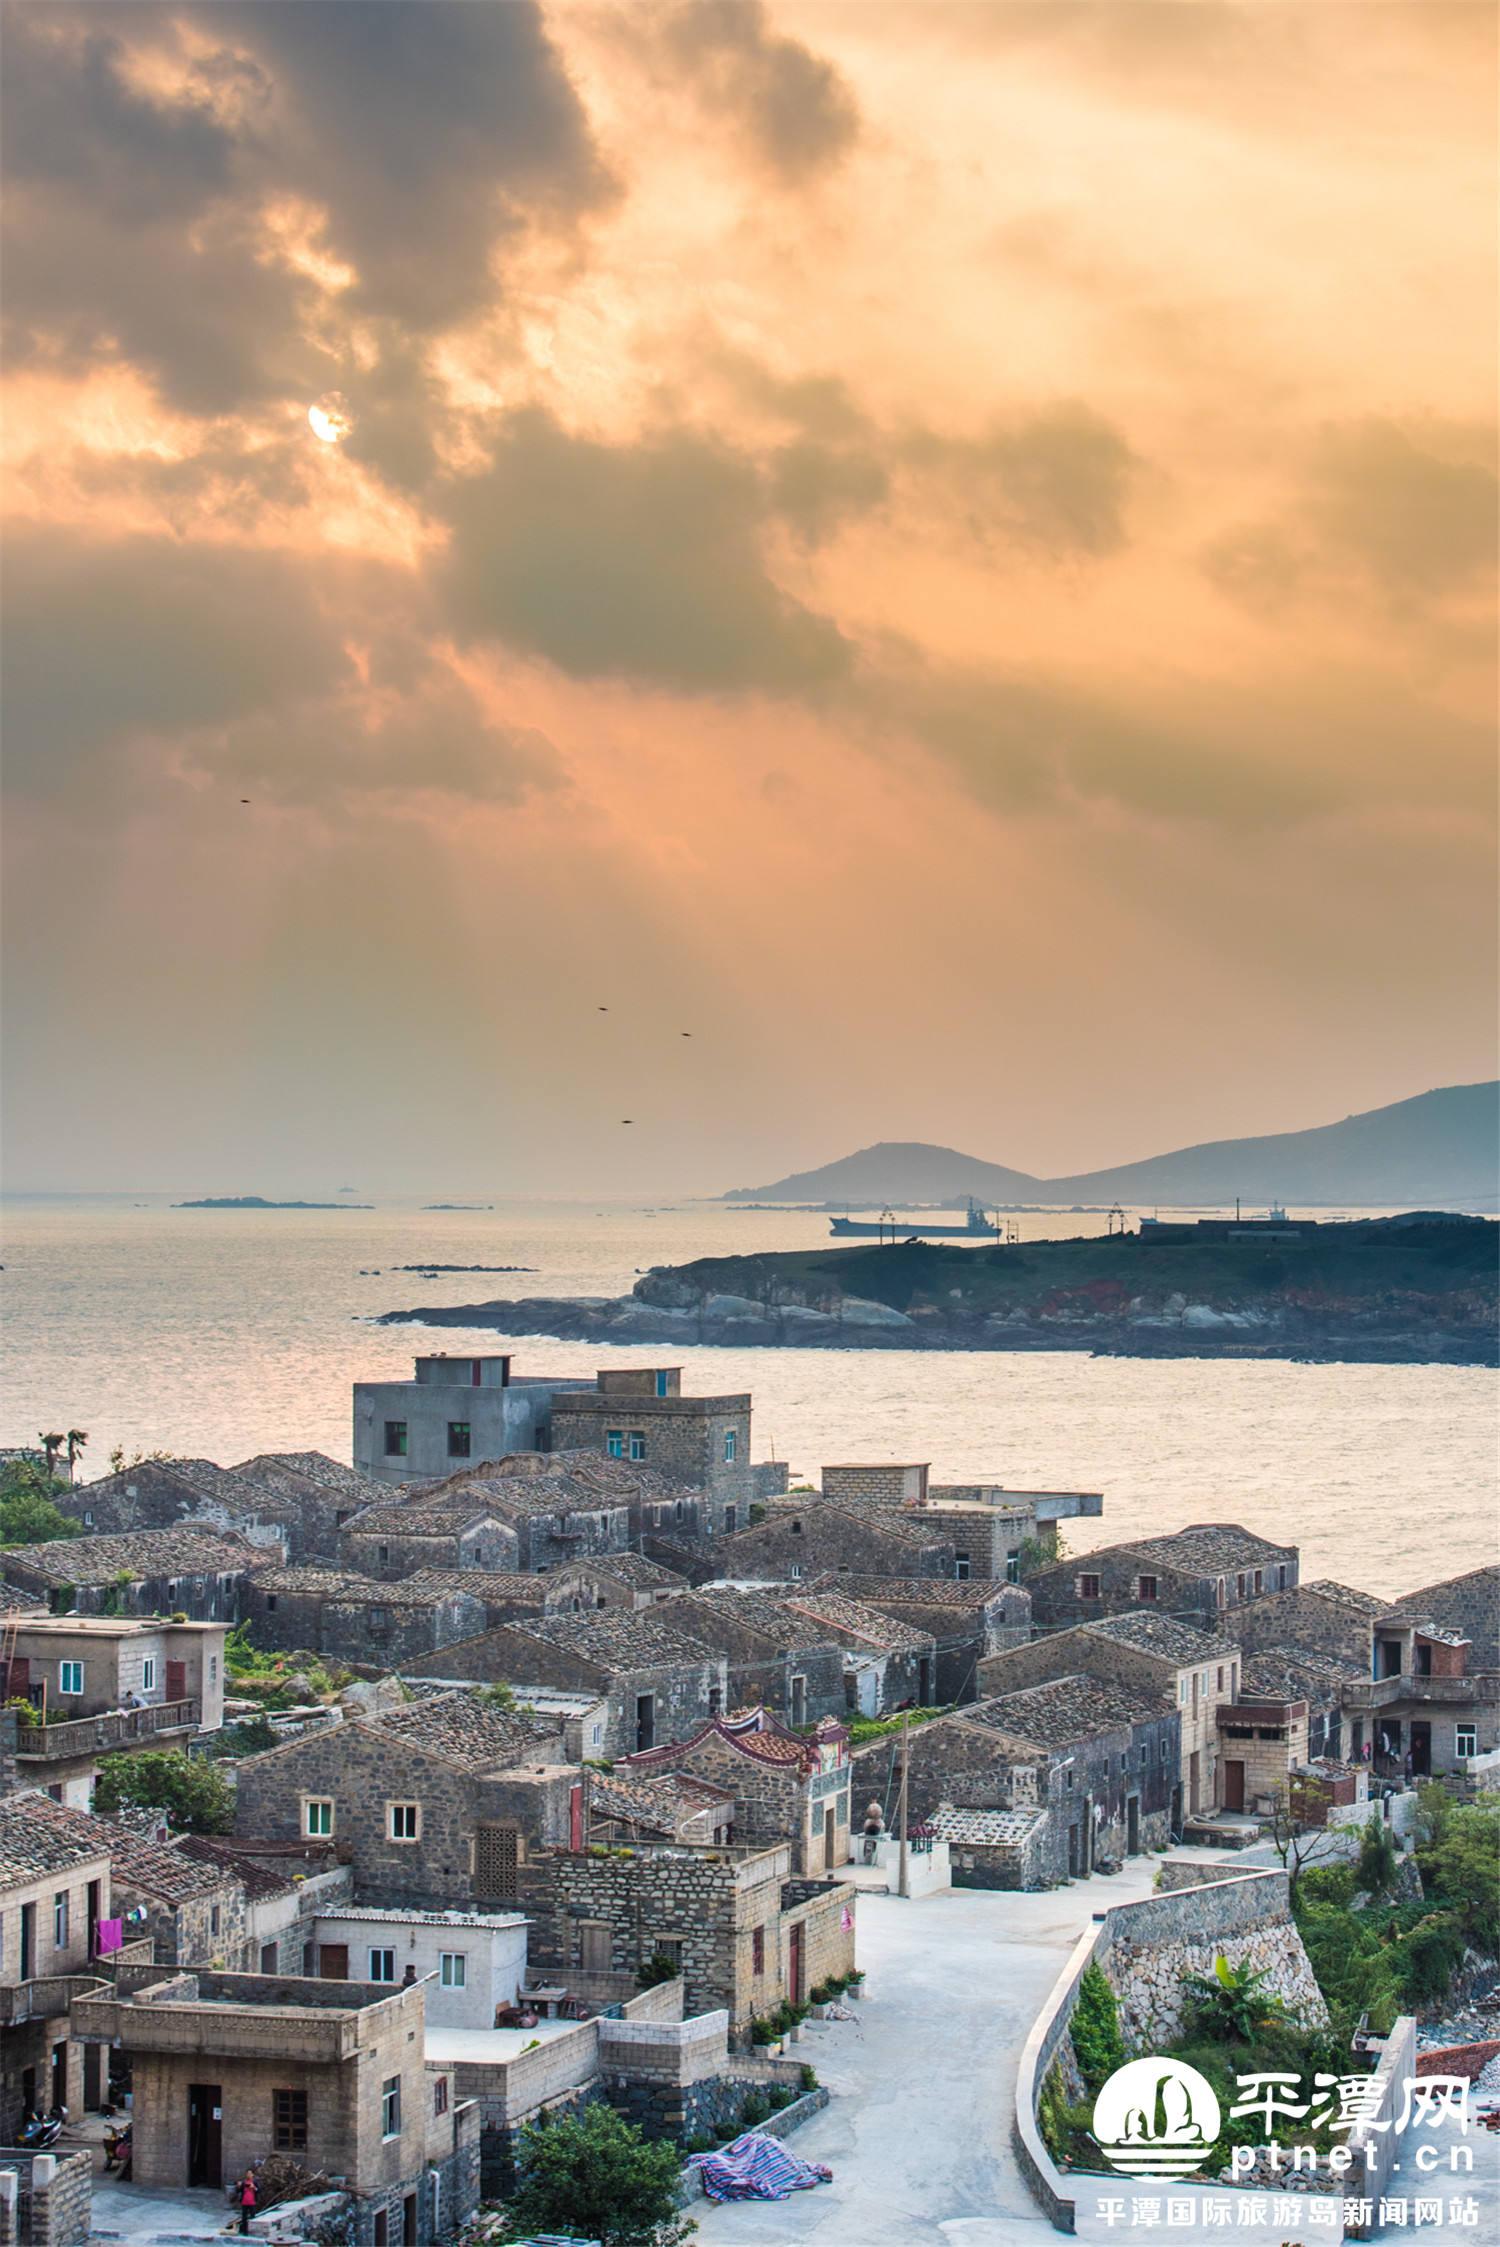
x=183, y=1550
x=464, y=1731
x=31, y=1847
x=1163, y=1635
x=1066, y=1709
x=530, y=1482
x=912, y=1591
x=616, y=1638
x=662, y=1801
x=987, y=1829
x=1341, y=1595
x=857, y=1619
x=290, y=1473
x=750, y=1732
x=152, y=1869
x=309, y=1579
x=626, y=1568
x=1205, y=1549
x=400, y=1518
x=1291, y=1674
x=258, y=1876
x=483, y=1584
x=784, y=1625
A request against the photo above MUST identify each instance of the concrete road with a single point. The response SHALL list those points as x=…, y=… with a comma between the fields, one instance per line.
x=918, y=2131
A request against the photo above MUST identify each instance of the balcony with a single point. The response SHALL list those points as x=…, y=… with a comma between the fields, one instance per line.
x=100, y=1735
x=46, y=1997
x=1447, y=1692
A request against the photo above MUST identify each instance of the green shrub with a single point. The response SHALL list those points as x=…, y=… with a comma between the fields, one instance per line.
x=1097, y=2043
x=655, y=1970
x=809, y=2076
x=1376, y=1867
x=1232, y=2004
x=755, y=2110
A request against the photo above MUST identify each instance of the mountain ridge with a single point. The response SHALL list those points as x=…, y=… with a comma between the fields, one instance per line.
x=1434, y=1147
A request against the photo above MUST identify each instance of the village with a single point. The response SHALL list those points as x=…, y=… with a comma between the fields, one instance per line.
x=560, y=1755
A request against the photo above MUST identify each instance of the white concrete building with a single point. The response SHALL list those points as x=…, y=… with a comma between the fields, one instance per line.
x=476, y=1960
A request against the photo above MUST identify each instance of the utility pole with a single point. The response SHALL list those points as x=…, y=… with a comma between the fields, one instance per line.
x=903, y=1876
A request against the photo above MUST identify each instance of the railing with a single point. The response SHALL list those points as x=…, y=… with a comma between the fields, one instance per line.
x=50, y=1743
x=45, y=1997
x=1412, y=1685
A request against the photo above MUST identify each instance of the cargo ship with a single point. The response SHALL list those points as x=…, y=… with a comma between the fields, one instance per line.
x=977, y=1225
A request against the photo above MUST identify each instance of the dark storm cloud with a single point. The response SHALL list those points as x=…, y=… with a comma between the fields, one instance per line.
x=427, y=131
x=1056, y=480
x=793, y=109
x=638, y=561
x=147, y=636
x=815, y=488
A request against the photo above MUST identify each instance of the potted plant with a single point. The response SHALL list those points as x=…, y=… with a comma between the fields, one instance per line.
x=854, y=1982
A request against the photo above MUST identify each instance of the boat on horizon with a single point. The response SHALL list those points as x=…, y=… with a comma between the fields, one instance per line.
x=977, y=1225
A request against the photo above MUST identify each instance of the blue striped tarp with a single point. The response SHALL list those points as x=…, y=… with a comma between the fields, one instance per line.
x=757, y=2167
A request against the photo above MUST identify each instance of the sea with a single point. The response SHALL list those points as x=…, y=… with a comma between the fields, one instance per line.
x=222, y=1333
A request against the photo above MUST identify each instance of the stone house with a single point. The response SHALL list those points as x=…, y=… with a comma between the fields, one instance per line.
x=640, y=1415
x=1195, y=1668
x=1321, y=1681
x=159, y=1493
x=655, y=1680
x=1261, y=1744
x=192, y=1910
x=1433, y=1701
x=196, y=1573
x=1198, y=1574
x=816, y=1537
x=744, y=1932
x=626, y=1580
x=54, y=1892
x=455, y=1531
x=968, y=1620
x=1317, y=1618
x=310, y=1496
x=285, y=1888
x=776, y=1657
x=357, y=1618
x=888, y=1664
x=103, y=1685
x=993, y=1848
x=227, y=2068
x=661, y=1806
x=437, y=1802
x=787, y=1786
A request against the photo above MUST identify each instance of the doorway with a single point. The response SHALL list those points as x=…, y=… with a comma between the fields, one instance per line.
x=794, y=1965
x=1132, y=1825
x=93, y=2078
x=60, y=2074
x=1234, y=1783
x=176, y=1681
x=333, y=1962
x=1421, y=1750
x=28, y=1942
x=206, y=2135
x=830, y=1838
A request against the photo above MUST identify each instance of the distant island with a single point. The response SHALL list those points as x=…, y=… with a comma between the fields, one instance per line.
x=1414, y=1290
x=430, y=1270
x=461, y=1205
x=258, y=1201
x=1439, y=1149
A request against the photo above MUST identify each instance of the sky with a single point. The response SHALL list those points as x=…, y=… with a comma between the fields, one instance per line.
x=946, y=551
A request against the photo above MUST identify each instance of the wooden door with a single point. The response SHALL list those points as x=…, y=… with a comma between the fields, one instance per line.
x=333, y=1962
x=794, y=1966
x=176, y=1681
x=1234, y=1783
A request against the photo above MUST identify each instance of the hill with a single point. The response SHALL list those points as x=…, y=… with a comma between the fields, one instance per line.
x=1438, y=1148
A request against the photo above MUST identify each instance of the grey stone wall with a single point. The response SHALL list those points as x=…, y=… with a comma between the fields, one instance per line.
x=53, y=2201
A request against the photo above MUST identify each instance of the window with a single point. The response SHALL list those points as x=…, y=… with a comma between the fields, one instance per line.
x=1164, y=1751
x=796, y=1529
x=677, y=1509
x=382, y=1966
x=289, y=2121
x=1145, y=1757
x=795, y=1571
x=215, y=1918
x=70, y=1677
x=961, y=1567
x=458, y=1439
x=668, y=1947
x=1146, y=1588
x=1070, y=1777
x=382, y=1552
x=1088, y=1587
x=715, y=1700
x=88, y=1521
x=395, y=1439
x=645, y=1721
x=390, y=2107
x=440, y=2095
x=148, y=1674
x=453, y=1969
x=614, y=1443
x=758, y=1951
x=213, y=1669
x=1465, y=1740
x=317, y=1815
x=799, y=1701
x=731, y=1446
x=1259, y=1581
x=270, y=1603
x=1219, y=1685
x=60, y=1920
x=1013, y=1567
x=379, y=1619
x=661, y=1384
x=404, y=1822
x=1239, y=1585
x=637, y=1444
x=1219, y=1594
x=1182, y=1691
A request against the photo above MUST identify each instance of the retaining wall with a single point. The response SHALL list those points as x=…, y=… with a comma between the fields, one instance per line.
x=46, y=2200
x=1377, y=2146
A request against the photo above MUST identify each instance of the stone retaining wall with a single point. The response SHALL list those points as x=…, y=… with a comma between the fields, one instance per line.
x=1467, y=2060
x=46, y=2200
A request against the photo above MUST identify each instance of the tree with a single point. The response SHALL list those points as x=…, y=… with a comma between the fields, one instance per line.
x=594, y=2176
x=27, y=1514
x=1376, y=1869
x=191, y=1792
x=1232, y=2004
x=75, y=1439
x=1294, y=1841
x=51, y=1446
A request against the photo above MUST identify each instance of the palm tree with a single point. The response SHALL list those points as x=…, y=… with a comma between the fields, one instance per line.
x=51, y=1446
x=75, y=1439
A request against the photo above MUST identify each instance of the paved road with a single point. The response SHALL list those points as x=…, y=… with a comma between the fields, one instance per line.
x=918, y=2131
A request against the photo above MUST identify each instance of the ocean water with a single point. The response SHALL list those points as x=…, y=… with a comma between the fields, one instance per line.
x=223, y=1333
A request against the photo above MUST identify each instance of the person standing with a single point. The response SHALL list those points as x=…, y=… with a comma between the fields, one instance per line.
x=247, y=2199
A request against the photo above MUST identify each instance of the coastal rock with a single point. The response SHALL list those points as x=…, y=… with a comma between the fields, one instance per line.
x=858, y=1310
x=797, y=1318
x=739, y=1307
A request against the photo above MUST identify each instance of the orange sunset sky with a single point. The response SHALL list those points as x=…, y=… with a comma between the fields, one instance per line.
x=946, y=549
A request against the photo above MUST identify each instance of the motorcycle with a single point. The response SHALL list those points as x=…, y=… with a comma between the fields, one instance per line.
x=38, y=2132
x=117, y=2149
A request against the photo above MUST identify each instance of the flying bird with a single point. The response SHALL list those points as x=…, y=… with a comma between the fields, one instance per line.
x=244, y=799
x=602, y=1010
x=627, y=1119
x=686, y=1033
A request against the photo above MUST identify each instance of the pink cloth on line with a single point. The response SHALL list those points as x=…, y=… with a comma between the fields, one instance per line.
x=109, y=1936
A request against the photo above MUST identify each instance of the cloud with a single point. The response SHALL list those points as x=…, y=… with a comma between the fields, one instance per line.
x=793, y=109
x=146, y=147
x=637, y=561
x=1056, y=479
x=817, y=487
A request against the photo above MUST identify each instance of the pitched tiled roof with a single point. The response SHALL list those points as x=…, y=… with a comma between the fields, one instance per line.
x=617, y=1639
x=987, y=1829
x=1291, y=1674
x=1205, y=1549
x=751, y=1732
x=1066, y=1709
x=31, y=1846
x=661, y=1801
x=858, y=1619
x=277, y=1576
x=414, y=1518
x=467, y=1732
x=628, y=1568
x=1163, y=1635
x=480, y=1583
x=152, y=1869
x=1341, y=1595
x=288, y=1474
x=913, y=1591
x=183, y=1550
x=558, y=1482
x=260, y=1877
x=776, y=1620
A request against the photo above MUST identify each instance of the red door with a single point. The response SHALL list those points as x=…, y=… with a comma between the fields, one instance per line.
x=1234, y=1784
x=177, y=1681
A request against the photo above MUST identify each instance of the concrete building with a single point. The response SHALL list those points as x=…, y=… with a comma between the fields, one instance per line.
x=196, y=1573
x=1197, y=1670
x=786, y=1786
x=471, y=1962
x=744, y=1933
x=104, y=1685
x=227, y=2068
x=54, y=1893
x=436, y=1803
x=453, y=1409
x=1199, y=1574
x=654, y=1679
x=1432, y=1703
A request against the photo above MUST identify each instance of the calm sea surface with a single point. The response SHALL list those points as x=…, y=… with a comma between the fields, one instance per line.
x=220, y=1334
